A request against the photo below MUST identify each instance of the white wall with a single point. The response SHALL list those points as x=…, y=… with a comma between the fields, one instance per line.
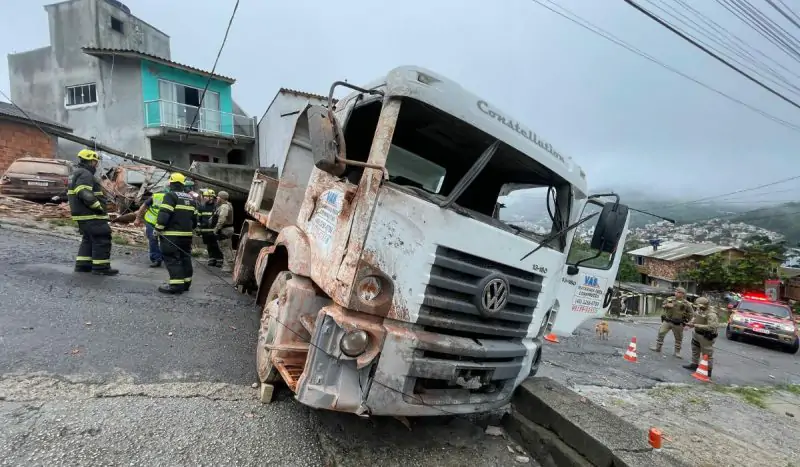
x=276, y=127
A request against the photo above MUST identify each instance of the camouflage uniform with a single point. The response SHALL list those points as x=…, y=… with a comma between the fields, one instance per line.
x=706, y=324
x=677, y=312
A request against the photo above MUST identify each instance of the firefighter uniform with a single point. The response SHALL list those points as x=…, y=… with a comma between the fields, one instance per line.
x=177, y=219
x=87, y=206
x=206, y=222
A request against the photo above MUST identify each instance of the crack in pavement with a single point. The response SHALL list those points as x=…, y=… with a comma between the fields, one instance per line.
x=38, y=387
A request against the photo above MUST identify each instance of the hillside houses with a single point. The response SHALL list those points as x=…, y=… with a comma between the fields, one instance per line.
x=662, y=265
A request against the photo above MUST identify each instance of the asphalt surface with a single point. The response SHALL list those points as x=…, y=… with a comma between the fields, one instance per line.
x=106, y=371
x=583, y=359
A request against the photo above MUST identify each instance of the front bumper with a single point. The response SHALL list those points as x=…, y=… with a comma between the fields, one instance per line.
x=770, y=334
x=417, y=373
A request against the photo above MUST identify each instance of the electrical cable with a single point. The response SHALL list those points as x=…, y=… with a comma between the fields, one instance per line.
x=760, y=29
x=783, y=13
x=789, y=10
x=615, y=40
x=730, y=52
x=768, y=23
x=709, y=52
x=214, y=68
x=723, y=195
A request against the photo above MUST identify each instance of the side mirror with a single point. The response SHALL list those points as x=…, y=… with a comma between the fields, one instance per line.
x=609, y=228
x=322, y=133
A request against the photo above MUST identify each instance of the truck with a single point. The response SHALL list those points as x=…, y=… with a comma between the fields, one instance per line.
x=388, y=280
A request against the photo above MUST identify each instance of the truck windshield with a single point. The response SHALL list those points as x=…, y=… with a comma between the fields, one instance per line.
x=432, y=151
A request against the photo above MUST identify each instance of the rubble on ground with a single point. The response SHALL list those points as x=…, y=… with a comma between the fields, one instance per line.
x=17, y=208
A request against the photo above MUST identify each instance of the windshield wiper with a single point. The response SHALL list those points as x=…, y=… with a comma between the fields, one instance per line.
x=550, y=237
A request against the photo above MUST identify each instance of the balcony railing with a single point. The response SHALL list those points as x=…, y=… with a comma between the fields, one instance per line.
x=161, y=113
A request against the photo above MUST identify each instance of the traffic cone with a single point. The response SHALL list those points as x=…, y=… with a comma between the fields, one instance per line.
x=654, y=437
x=630, y=354
x=701, y=374
x=551, y=338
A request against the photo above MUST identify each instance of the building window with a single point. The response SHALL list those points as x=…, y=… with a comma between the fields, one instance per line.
x=640, y=260
x=116, y=24
x=81, y=94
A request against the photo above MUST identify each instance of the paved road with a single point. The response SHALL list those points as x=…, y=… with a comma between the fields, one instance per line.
x=107, y=371
x=585, y=360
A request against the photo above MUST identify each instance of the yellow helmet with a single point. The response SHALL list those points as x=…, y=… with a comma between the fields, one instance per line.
x=209, y=192
x=88, y=155
x=177, y=178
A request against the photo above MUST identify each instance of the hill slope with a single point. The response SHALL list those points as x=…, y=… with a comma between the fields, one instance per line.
x=783, y=219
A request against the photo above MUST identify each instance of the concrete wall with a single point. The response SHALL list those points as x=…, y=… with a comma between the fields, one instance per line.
x=277, y=125
x=180, y=153
x=39, y=78
x=20, y=139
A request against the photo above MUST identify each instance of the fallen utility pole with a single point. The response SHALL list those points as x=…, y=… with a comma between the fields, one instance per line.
x=90, y=143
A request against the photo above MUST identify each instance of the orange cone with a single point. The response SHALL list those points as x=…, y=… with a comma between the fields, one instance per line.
x=551, y=338
x=630, y=354
x=654, y=437
x=701, y=374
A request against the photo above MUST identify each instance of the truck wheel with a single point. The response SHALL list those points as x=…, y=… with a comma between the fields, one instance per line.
x=793, y=348
x=267, y=373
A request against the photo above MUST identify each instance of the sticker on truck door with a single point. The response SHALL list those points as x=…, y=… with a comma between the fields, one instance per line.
x=589, y=294
x=323, y=222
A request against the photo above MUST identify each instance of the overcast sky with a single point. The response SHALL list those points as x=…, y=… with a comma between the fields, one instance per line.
x=630, y=123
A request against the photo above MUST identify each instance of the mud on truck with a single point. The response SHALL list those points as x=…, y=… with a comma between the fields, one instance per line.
x=390, y=282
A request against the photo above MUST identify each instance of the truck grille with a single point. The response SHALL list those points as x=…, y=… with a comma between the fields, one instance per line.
x=448, y=306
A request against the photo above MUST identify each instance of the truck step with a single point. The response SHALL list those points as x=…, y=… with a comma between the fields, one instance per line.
x=298, y=347
x=290, y=369
x=309, y=322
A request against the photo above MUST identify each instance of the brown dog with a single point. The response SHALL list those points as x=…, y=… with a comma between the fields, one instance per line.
x=601, y=330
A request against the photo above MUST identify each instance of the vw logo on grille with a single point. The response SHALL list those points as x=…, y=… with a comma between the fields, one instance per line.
x=493, y=295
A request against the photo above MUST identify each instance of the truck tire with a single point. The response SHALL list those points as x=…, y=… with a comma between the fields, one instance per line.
x=267, y=373
x=793, y=348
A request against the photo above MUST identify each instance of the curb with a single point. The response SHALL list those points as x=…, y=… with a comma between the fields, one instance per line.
x=558, y=427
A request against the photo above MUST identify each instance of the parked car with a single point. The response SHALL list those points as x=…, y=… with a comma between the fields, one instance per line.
x=763, y=320
x=36, y=179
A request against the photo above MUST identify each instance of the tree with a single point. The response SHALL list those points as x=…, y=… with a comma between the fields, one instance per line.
x=627, y=270
x=711, y=273
x=750, y=272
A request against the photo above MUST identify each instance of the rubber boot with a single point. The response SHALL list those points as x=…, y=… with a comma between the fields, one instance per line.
x=677, y=354
x=105, y=272
x=83, y=269
x=655, y=348
x=171, y=289
x=187, y=286
x=155, y=264
x=691, y=366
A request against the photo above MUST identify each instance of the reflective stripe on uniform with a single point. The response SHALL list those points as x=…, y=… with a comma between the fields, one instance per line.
x=188, y=281
x=176, y=281
x=167, y=207
x=78, y=188
x=96, y=205
x=101, y=261
x=206, y=213
x=151, y=215
x=83, y=258
x=175, y=233
x=205, y=230
x=185, y=208
x=91, y=217
x=98, y=193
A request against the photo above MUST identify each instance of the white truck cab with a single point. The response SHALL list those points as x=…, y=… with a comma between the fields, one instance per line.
x=391, y=283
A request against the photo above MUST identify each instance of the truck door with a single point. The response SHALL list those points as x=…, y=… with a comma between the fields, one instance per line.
x=587, y=294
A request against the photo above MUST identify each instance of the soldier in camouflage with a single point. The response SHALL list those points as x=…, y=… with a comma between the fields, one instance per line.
x=677, y=313
x=705, y=324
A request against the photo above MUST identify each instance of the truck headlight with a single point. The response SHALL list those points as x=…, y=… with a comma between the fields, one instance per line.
x=737, y=319
x=369, y=288
x=788, y=327
x=354, y=343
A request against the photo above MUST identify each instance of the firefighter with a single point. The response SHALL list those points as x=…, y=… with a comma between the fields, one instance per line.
x=177, y=219
x=148, y=214
x=677, y=312
x=705, y=324
x=206, y=223
x=87, y=206
x=188, y=187
x=223, y=229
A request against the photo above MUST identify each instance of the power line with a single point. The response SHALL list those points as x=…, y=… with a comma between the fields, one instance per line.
x=615, y=40
x=789, y=9
x=723, y=195
x=783, y=13
x=709, y=52
x=759, y=28
x=214, y=68
x=729, y=50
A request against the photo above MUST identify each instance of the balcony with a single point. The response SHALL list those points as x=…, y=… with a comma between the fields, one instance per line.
x=173, y=115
